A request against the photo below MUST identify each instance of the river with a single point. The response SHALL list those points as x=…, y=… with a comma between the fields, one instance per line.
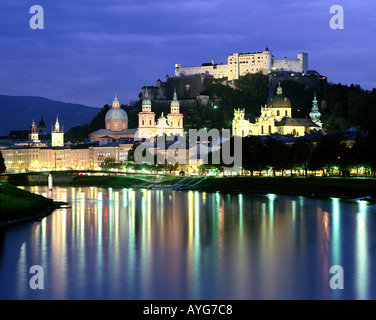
x=138, y=244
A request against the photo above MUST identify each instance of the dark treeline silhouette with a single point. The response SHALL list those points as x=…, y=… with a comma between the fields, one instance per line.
x=328, y=154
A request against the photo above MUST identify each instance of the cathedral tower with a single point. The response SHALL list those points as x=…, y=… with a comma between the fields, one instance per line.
x=146, y=119
x=175, y=118
x=33, y=135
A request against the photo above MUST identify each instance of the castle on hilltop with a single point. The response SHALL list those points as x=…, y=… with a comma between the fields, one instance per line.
x=241, y=64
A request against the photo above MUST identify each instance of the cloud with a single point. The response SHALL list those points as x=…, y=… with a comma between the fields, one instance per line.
x=90, y=48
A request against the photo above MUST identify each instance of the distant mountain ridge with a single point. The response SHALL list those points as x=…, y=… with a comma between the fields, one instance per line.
x=18, y=112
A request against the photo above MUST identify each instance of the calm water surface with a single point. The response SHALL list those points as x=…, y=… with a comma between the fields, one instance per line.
x=155, y=244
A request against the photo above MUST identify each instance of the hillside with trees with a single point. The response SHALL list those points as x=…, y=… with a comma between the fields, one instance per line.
x=341, y=106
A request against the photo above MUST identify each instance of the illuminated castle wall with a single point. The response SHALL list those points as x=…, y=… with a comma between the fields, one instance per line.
x=241, y=64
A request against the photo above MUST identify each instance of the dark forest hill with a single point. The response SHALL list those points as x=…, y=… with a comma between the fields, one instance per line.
x=341, y=106
x=18, y=112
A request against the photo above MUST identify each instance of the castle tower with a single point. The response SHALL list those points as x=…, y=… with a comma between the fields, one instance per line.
x=33, y=135
x=116, y=118
x=57, y=135
x=315, y=113
x=146, y=119
x=268, y=60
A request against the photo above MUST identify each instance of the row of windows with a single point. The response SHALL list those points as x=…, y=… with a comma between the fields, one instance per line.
x=278, y=113
x=115, y=126
x=172, y=123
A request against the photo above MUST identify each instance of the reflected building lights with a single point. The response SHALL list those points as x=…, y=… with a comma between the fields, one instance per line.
x=240, y=199
x=237, y=244
x=271, y=198
x=336, y=232
x=362, y=270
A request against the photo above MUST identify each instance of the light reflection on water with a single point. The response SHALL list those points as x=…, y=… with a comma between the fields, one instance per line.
x=155, y=244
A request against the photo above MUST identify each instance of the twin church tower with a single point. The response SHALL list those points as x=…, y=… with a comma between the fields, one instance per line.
x=171, y=124
x=57, y=133
x=116, y=122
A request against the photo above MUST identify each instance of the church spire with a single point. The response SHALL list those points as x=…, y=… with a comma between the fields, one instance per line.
x=57, y=124
x=315, y=113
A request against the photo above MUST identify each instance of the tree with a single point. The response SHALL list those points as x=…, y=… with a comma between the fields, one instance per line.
x=302, y=150
x=276, y=155
x=2, y=164
x=252, y=152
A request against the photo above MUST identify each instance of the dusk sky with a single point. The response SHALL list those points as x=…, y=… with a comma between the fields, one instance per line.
x=90, y=49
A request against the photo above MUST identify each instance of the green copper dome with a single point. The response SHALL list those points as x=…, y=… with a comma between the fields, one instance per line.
x=116, y=114
x=175, y=102
x=146, y=100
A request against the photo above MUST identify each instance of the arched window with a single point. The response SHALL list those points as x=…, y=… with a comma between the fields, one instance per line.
x=286, y=113
x=270, y=129
x=178, y=123
x=262, y=129
x=143, y=122
x=277, y=113
x=149, y=122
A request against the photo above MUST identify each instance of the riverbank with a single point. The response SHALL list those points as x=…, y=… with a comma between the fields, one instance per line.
x=347, y=188
x=18, y=206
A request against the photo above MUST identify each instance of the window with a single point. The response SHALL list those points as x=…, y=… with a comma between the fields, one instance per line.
x=277, y=113
x=270, y=129
x=150, y=122
x=286, y=113
x=143, y=122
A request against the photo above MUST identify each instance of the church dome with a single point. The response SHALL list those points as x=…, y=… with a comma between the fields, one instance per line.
x=116, y=114
x=279, y=100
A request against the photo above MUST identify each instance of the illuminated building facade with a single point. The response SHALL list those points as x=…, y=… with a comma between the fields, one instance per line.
x=241, y=64
x=276, y=117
